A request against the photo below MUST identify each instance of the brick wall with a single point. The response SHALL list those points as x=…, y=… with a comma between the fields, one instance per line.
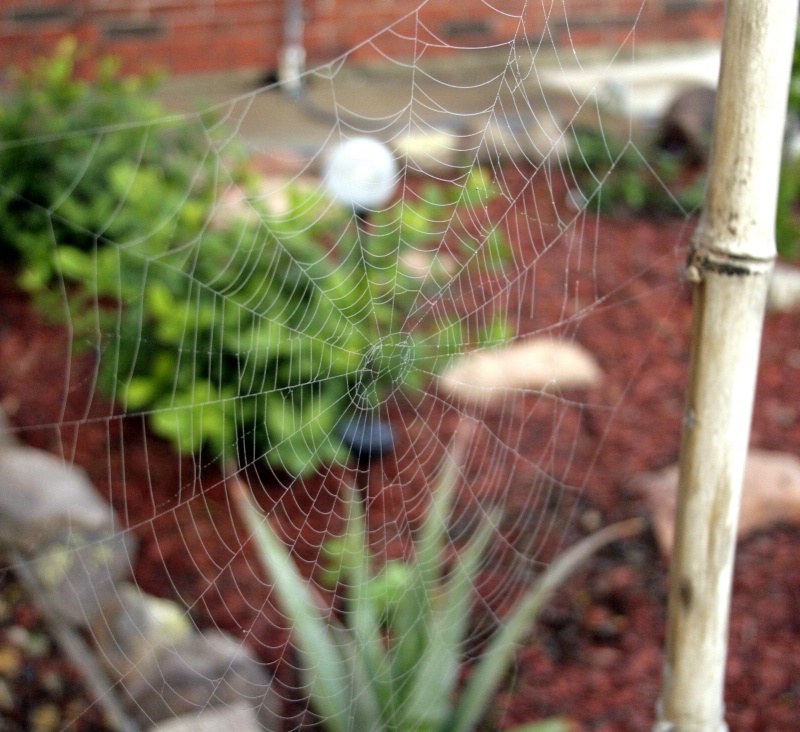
x=184, y=36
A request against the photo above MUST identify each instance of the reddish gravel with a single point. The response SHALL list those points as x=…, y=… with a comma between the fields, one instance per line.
x=596, y=656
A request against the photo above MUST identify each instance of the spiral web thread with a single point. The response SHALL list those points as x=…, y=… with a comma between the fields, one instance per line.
x=505, y=117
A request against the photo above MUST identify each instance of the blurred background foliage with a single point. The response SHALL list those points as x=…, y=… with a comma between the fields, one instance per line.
x=254, y=334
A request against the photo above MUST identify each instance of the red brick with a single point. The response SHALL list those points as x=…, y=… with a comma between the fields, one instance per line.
x=247, y=33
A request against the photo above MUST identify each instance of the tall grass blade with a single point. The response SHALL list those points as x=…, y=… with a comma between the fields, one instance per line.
x=412, y=624
x=364, y=613
x=338, y=683
x=489, y=671
x=430, y=698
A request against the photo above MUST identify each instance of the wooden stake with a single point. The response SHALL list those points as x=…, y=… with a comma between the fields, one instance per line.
x=733, y=252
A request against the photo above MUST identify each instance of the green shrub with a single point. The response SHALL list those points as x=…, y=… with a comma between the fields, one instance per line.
x=69, y=152
x=253, y=335
x=256, y=335
x=393, y=663
x=616, y=177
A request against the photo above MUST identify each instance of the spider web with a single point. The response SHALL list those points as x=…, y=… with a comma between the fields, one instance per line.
x=495, y=234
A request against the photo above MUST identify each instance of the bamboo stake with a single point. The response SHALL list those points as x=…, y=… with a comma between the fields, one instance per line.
x=731, y=260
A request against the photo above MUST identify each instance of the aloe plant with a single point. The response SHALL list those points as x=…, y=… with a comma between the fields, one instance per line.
x=394, y=662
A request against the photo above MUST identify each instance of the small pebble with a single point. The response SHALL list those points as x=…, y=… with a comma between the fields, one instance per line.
x=603, y=624
x=6, y=697
x=10, y=662
x=45, y=718
x=5, y=609
x=606, y=657
x=39, y=645
x=52, y=682
x=17, y=635
x=13, y=594
x=793, y=358
x=32, y=643
x=591, y=520
x=76, y=708
x=621, y=579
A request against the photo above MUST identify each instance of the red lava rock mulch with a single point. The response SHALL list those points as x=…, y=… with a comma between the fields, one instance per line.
x=559, y=465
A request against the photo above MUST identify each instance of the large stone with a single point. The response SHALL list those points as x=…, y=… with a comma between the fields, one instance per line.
x=269, y=194
x=42, y=496
x=640, y=89
x=51, y=514
x=429, y=269
x=134, y=625
x=194, y=674
x=78, y=571
x=536, y=363
x=771, y=495
x=441, y=149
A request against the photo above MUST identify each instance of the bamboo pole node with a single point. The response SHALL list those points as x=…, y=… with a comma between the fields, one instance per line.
x=704, y=260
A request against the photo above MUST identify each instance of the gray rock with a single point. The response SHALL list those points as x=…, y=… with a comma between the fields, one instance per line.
x=430, y=149
x=687, y=124
x=198, y=673
x=78, y=571
x=51, y=514
x=134, y=625
x=41, y=497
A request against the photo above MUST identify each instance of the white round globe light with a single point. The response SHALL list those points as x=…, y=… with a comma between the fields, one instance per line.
x=361, y=174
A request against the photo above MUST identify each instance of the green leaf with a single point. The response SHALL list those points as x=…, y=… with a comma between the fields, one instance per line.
x=555, y=724
x=35, y=277
x=436, y=674
x=413, y=623
x=365, y=610
x=330, y=664
x=387, y=589
x=178, y=425
x=496, y=333
x=489, y=671
x=139, y=392
x=479, y=188
x=201, y=414
x=256, y=349
x=159, y=301
x=75, y=264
